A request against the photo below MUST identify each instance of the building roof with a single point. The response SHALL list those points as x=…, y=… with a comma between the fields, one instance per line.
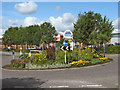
x=116, y=31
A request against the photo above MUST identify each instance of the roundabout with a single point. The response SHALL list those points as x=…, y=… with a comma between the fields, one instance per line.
x=95, y=76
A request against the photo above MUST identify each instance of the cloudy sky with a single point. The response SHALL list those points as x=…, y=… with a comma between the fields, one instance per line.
x=62, y=15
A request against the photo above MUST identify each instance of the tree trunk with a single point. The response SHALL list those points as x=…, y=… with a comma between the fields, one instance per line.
x=5, y=45
x=16, y=46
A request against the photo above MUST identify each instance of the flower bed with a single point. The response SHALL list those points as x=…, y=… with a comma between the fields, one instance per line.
x=39, y=60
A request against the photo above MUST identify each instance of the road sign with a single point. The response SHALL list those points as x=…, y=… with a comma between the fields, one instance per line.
x=71, y=44
x=65, y=48
x=65, y=43
x=68, y=34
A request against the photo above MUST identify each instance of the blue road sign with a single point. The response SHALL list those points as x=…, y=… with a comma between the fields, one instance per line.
x=65, y=43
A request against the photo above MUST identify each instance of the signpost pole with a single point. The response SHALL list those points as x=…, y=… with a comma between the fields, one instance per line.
x=65, y=56
x=104, y=48
x=13, y=54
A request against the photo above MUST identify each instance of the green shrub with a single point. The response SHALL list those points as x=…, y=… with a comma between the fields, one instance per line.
x=115, y=49
x=39, y=59
x=20, y=63
x=72, y=55
x=59, y=56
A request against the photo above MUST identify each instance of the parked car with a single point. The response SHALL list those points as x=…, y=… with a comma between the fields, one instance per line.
x=32, y=48
x=117, y=43
x=39, y=48
x=109, y=44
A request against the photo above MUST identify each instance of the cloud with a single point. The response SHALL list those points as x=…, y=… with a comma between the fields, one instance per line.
x=58, y=8
x=26, y=8
x=60, y=23
x=63, y=23
x=68, y=18
x=31, y=21
x=116, y=23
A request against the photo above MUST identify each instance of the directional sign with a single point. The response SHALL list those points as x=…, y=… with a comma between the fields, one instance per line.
x=62, y=48
x=65, y=48
x=65, y=43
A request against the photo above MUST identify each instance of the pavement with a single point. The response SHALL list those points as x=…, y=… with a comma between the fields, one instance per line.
x=97, y=76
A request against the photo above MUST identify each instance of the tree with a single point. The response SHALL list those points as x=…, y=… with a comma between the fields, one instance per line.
x=91, y=28
x=8, y=36
x=48, y=31
x=31, y=35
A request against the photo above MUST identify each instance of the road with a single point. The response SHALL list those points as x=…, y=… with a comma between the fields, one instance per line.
x=97, y=76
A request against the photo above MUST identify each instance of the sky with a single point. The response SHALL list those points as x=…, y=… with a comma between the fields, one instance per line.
x=61, y=15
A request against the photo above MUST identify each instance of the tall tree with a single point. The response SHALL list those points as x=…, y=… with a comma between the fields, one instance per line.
x=91, y=28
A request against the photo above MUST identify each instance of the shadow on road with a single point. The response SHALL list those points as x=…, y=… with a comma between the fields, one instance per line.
x=21, y=83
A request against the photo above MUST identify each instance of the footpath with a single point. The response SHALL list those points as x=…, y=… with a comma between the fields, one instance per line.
x=16, y=53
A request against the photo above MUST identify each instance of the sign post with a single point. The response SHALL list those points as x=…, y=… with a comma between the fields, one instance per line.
x=104, y=48
x=65, y=43
x=65, y=56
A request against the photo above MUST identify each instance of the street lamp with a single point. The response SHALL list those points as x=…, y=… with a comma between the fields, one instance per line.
x=104, y=48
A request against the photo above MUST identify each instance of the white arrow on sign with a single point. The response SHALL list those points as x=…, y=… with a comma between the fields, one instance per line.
x=62, y=48
x=67, y=48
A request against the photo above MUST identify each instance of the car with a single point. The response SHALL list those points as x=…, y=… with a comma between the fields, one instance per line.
x=39, y=48
x=117, y=43
x=32, y=48
x=109, y=44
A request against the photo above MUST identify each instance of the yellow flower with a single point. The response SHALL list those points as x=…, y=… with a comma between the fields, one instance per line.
x=80, y=61
x=103, y=58
x=86, y=61
x=86, y=53
x=37, y=54
x=73, y=62
x=40, y=60
x=97, y=55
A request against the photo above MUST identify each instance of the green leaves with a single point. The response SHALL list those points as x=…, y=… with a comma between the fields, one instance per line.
x=31, y=35
x=91, y=28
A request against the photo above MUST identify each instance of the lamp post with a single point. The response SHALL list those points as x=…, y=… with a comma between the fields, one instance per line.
x=104, y=48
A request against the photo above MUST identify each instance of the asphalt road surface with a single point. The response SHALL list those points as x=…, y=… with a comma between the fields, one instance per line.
x=97, y=76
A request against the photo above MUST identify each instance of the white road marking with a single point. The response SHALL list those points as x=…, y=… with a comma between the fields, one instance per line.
x=19, y=87
x=93, y=86
x=58, y=86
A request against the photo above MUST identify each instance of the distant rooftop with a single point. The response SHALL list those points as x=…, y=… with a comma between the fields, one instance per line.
x=116, y=31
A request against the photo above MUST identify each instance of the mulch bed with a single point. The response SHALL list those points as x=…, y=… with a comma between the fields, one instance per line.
x=12, y=68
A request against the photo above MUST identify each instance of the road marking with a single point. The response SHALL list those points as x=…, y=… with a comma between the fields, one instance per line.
x=58, y=86
x=19, y=87
x=93, y=86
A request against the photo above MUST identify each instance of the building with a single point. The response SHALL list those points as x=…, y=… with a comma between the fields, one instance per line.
x=116, y=36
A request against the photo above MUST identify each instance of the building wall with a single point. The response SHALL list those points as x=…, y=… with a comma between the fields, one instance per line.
x=115, y=38
x=17, y=46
